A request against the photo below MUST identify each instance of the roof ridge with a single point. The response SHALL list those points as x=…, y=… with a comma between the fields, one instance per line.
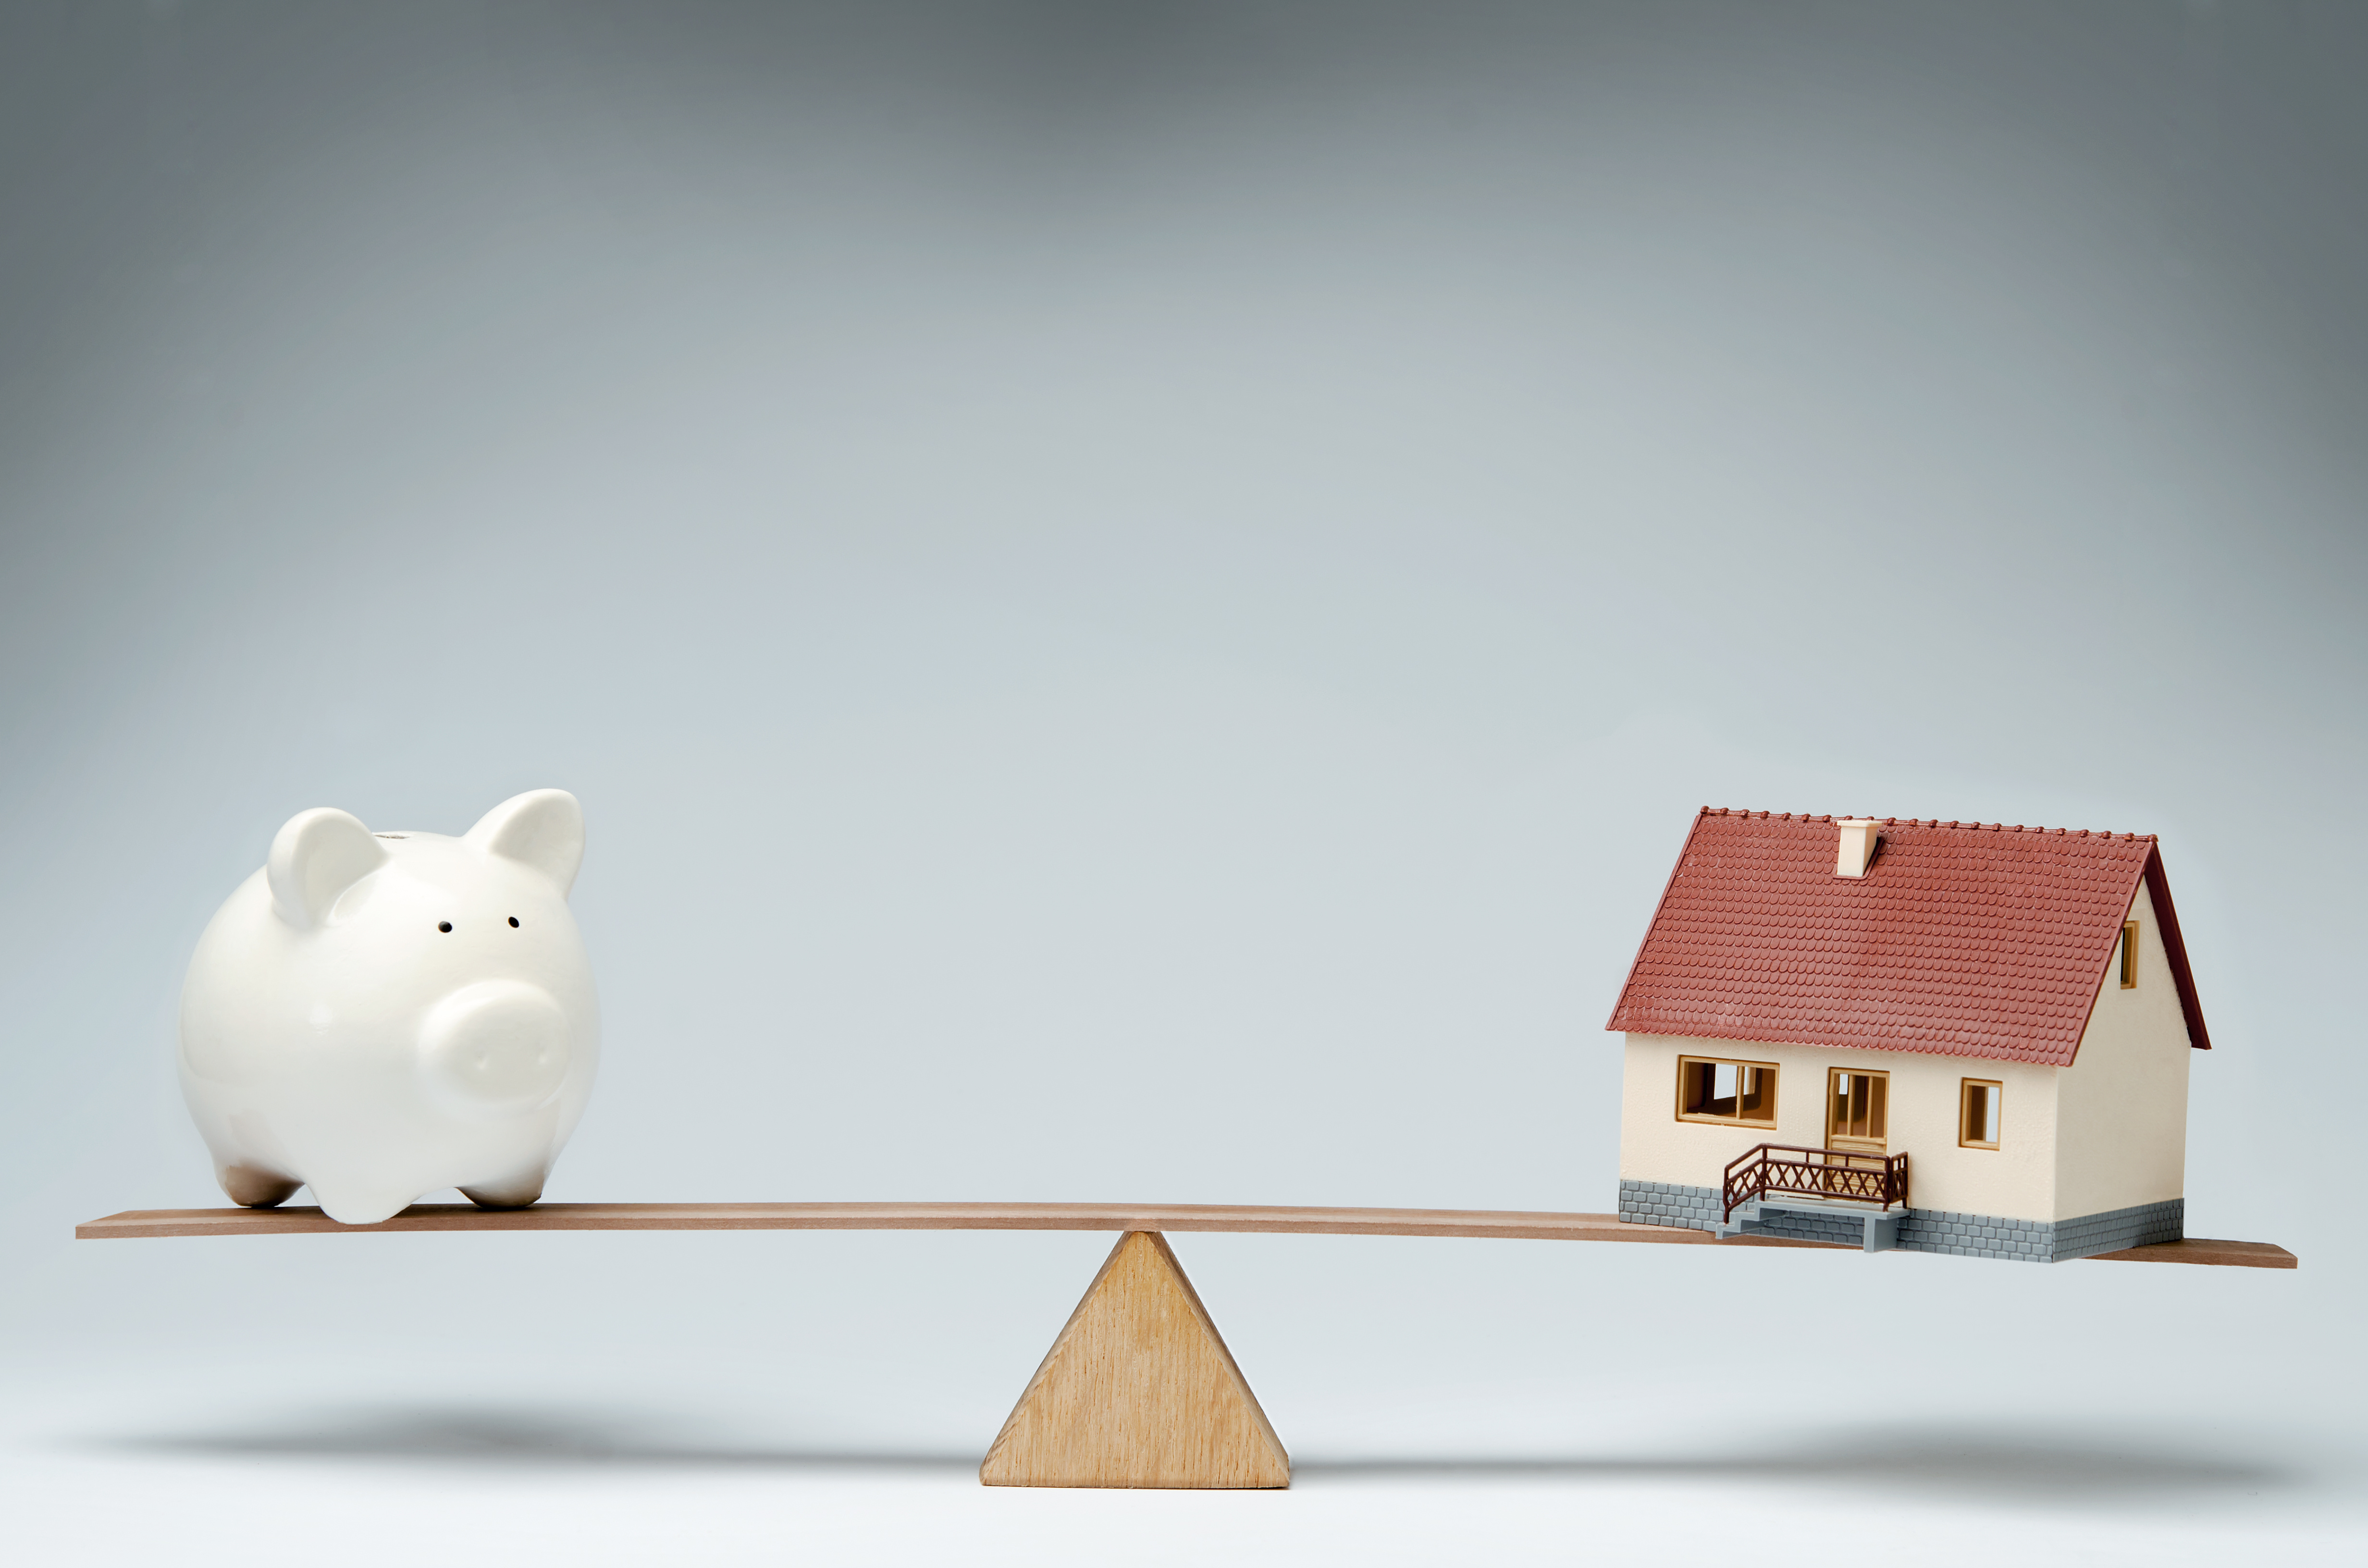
x=2105, y=832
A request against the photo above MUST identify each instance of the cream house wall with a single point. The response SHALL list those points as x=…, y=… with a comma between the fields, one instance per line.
x=2016, y=1180
x=2122, y=1106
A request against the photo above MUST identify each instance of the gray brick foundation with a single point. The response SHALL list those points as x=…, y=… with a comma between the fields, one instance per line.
x=1666, y=1203
x=2119, y=1228
x=1926, y=1230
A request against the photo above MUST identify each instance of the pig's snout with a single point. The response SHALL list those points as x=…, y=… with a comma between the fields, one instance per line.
x=499, y=1045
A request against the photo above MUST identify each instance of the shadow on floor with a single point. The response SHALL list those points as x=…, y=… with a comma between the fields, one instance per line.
x=1993, y=1465
x=479, y=1439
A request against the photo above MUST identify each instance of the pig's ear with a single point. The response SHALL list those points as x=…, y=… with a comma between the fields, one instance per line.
x=543, y=828
x=315, y=857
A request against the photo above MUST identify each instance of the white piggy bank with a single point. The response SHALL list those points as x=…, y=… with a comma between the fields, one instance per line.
x=376, y=1016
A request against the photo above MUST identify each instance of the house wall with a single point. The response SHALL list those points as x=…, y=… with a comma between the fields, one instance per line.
x=2122, y=1106
x=2016, y=1180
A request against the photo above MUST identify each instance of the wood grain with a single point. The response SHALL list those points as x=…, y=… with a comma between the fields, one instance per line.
x=1516, y=1223
x=1507, y=1223
x=2195, y=1249
x=1138, y=1390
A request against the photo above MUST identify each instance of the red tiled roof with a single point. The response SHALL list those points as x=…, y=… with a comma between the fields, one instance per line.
x=1962, y=940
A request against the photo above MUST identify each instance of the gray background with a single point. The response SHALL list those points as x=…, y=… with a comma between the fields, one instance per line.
x=1139, y=597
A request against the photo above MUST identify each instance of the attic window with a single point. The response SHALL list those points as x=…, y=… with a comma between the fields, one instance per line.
x=1737, y=1093
x=2129, y=955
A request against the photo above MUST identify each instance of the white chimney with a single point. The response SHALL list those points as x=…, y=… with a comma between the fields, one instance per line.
x=1857, y=846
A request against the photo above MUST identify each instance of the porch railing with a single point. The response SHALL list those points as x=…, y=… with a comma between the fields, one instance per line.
x=1814, y=1173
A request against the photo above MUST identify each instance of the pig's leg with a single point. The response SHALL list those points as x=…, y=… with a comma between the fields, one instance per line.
x=256, y=1189
x=362, y=1205
x=510, y=1192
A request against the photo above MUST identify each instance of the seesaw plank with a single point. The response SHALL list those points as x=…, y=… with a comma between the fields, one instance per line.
x=2195, y=1249
x=1514, y=1223
x=1510, y=1224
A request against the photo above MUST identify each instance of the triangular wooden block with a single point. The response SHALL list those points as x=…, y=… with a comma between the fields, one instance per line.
x=1139, y=1391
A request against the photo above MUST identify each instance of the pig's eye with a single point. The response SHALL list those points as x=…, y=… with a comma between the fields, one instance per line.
x=443, y=925
x=513, y=922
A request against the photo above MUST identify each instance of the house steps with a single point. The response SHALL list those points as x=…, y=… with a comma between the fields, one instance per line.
x=1879, y=1227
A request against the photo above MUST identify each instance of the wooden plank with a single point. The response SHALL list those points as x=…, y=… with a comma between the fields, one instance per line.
x=1138, y=1390
x=2195, y=1249
x=1506, y=1223
x=1512, y=1223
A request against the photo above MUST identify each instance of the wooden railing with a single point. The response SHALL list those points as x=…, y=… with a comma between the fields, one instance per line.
x=1814, y=1173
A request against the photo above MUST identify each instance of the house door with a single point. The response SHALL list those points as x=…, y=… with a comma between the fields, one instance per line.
x=1856, y=1108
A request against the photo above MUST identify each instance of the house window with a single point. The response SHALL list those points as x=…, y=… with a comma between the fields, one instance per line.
x=1741, y=1093
x=2129, y=955
x=1977, y=1114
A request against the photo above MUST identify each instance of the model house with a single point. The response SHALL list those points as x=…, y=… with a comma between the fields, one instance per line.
x=1942, y=1036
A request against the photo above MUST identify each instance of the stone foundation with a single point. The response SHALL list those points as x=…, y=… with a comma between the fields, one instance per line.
x=1925, y=1229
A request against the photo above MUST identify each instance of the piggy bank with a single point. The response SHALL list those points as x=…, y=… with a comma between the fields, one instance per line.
x=379, y=1015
